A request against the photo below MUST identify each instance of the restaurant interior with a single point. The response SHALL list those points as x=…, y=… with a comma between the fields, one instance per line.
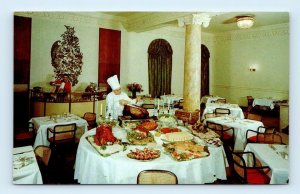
x=211, y=90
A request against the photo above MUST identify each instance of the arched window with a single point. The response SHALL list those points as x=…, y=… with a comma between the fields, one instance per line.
x=159, y=67
x=205, y=55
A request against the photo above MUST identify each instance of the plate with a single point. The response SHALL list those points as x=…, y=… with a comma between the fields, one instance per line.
x=144, y=155
x=177, y=136
x=139, y=138
x=186, y=150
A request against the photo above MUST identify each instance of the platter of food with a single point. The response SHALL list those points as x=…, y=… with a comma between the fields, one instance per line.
x=213, y=142
x=105, y=142
x=113, y=123
x=167, y=120
x=137, y=137
x=177, y=136
x=130, y=124
x=185, y=150
x=201, y=131
x=165, y=130
x=146, y=126
x=136, y=112
x=145, y=154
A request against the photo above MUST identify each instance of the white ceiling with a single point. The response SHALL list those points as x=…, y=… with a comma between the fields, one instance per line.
x=143, y=21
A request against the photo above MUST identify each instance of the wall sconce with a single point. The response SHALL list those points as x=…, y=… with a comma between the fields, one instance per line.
x=252, y=68
x=245, y=22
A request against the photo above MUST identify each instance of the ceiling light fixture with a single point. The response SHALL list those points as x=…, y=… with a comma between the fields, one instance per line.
x=245, y=22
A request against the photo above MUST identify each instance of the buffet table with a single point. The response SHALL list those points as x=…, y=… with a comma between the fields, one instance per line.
x=25, y=166
x=240, y=128
x=41, y=125
x=276, y=157
x=235, y=110
x=92, y=168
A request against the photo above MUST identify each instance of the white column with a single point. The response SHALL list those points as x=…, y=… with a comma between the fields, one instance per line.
x=192, y=59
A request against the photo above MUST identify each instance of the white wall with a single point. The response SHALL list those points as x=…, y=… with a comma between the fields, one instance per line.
x=267, y=49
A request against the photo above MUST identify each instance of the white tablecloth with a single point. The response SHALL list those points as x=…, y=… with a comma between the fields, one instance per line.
x=240, y=129
x=272, y=158
x=42, y=123
x=209, y=99
x=92, y=168
x=264, y=102
x=29, y=174
x=235, y=110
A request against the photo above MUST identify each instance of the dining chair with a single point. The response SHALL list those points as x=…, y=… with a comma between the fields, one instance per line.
x=249, y=172
x=180, y=104
x=255, y=117
x=25, y=137
x=91, y=119
x=221, y=101
x=157, y=177
x=148, y=106
x=257, y=136
x=61, y=134
x=222, y=112
x=209, y=115
x=268, y=136
x=43, y=154
x=63, y=144
x=250, y=100
x=226, y=133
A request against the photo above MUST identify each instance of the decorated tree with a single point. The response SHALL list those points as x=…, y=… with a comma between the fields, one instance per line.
x=66, y=56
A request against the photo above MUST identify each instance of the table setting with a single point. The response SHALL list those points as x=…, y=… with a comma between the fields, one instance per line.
x=235, y=110
x=25, y=166
x=240, y=128
x=276, y=156
x=41, y=125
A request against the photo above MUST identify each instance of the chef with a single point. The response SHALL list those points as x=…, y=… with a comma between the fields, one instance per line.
x=116, y=99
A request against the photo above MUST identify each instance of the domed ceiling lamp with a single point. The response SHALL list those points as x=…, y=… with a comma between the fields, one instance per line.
x=245, y=22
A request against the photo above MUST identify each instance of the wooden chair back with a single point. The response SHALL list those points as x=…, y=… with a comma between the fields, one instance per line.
x=91, y=119
x=157, y=177
x=255, y=117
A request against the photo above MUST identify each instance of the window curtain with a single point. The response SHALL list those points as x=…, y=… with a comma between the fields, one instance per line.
x=205, y=55
x=159, y=67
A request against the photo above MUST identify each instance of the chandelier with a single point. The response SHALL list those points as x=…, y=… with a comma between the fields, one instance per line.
x=245, y=22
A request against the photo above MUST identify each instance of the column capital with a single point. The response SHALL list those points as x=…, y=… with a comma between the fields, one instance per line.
x=195, y=19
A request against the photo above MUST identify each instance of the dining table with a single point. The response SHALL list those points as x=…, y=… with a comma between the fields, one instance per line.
x=276, y=156
x=25, y=166
x=240, y=127
x=210, y=99
x=93, y=168
x=41, y=124
x=268, y=102
x=235, y=110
